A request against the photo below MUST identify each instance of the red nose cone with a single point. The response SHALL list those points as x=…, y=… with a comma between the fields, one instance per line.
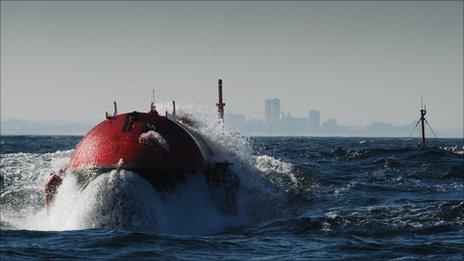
x=139, y=141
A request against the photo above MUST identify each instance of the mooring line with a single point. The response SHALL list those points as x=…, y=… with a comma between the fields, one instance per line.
x=412, y=132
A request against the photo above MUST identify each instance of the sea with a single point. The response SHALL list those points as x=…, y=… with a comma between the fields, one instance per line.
x=320, y=198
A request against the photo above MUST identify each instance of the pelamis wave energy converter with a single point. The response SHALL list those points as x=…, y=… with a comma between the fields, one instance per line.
x=162, y=149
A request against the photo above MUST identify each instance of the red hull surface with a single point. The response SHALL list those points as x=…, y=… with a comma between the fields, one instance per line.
x=162, y=149
x=142, y=141
x=159, y=148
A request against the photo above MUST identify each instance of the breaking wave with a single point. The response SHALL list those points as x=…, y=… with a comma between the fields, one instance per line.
x=124, y=200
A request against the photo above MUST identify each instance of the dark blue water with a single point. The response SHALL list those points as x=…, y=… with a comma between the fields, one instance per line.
x=372, y=199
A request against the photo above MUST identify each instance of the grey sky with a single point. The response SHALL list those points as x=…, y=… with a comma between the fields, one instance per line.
x=70, y=60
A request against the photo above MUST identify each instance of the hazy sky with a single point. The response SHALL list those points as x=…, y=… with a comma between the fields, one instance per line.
x=69, y=60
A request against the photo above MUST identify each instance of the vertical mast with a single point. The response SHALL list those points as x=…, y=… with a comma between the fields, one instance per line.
x=220, y=104
x=174, y=108
x=422, y=119
x=152, y=105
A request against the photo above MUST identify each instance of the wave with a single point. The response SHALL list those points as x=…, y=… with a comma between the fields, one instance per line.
x=124, y=200
x=423, y=218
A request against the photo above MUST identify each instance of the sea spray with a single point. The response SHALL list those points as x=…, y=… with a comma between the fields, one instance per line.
x=396, y=203
x=24, y=176
x=124, y=200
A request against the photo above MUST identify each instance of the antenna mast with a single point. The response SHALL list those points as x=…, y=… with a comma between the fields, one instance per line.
x=152, y=105
x=220, y=104
x=422, y=120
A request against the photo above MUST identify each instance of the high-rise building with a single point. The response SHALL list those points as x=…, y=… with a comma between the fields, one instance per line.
x=268, y=112
x=314, y=121
x=272, y=111
x=275, y=111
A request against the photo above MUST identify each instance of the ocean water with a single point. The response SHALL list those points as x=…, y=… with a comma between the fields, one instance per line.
x=299, y=198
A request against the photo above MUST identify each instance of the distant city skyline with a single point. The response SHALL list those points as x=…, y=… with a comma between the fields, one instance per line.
x=276, y=122
x=273, y=122
x=284, y=125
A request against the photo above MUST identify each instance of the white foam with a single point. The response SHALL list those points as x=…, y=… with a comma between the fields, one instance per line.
x=153, y=137
x=121, y=199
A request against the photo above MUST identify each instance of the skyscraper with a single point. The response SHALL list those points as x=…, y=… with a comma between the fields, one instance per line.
x=314, y=121
x=275, y=111
x=272, y=111
x=268, y=112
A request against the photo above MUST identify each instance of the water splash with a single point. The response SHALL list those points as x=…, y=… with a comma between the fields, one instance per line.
x=124, y=200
